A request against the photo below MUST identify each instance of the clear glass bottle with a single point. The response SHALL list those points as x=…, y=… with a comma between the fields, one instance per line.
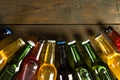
x=113, y=58
x=99, y=68
x=13, y=66
x=48, y=70
x=31, y=63
x=9, y=51
x=65, y=71
x=83, y=72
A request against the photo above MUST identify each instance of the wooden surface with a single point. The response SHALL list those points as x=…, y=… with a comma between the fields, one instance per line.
x=60, y=11
x=59, y=32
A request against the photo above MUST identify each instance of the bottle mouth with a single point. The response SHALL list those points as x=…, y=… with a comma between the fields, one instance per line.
x=71, y=42
x=108, y=29
x=61, y=42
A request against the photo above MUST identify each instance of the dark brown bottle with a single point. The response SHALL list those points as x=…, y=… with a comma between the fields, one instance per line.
x=65, y=71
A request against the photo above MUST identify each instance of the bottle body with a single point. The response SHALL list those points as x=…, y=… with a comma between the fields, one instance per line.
x=47, y=72
x=65, y=73
x=29, y=72
x=83, y=72
x=114, y=64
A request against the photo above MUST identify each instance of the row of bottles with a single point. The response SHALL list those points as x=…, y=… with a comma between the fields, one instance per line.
x=26, y=64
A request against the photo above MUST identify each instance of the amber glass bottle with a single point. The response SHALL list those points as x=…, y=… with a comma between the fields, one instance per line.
x=9, y=51
x=48, y=70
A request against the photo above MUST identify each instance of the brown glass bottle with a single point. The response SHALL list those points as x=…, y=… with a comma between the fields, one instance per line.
x=65, y=71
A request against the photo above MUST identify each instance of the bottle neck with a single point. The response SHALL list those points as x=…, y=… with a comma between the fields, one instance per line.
x=37, y=50
x=13, y=47
x=74, y=51
x=62, y=55
x=50, y=53
x=29, y=46
x=91, y=53
x=104, y=46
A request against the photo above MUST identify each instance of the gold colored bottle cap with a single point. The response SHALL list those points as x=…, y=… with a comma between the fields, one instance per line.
x=21, y=42
x=51, y=41
x=98, y=36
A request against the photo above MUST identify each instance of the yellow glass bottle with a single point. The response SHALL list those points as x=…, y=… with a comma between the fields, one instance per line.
x=113, y=58
x=48, y=70
x=9, y=50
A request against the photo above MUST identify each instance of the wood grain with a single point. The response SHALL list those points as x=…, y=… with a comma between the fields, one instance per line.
x=59, y=11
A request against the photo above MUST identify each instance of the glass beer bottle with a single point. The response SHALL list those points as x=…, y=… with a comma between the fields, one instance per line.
x=13, y=66
x=48, y=70
x=113, y=58
x=9, y=51
x=99, y=68
x=80, y=67
x=114, y=36
x=65, y=71
x=31, y=63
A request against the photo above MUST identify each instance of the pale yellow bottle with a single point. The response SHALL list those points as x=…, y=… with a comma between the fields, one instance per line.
x=113, y=58
x=47, y=70
x=9, y=50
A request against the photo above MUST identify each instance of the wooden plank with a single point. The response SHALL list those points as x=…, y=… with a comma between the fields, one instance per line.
x=59, y=11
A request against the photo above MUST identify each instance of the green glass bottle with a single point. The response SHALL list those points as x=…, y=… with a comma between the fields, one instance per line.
x=99, y=68
x=13, y=66
x=80, y=67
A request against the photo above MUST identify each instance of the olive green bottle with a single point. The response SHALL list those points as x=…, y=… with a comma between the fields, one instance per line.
x=82, y=71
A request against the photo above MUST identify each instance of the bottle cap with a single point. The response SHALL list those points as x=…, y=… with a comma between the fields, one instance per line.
x=84, y=42
x=108, y=29
x=51, y=41
x=8, y=31
x=31, y=43
x=98, y=36
x=60, y=42
x=21, y=41
x=41, y=40
x=72, y=42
